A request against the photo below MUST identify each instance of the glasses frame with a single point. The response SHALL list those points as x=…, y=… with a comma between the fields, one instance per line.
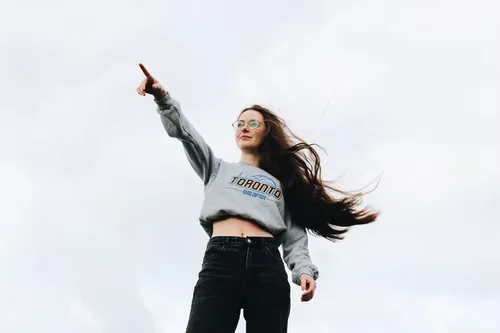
x=235, y=124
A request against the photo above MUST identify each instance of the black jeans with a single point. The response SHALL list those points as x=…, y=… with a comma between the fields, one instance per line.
x=241, y=273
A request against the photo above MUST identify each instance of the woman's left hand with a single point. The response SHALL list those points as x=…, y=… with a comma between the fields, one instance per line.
x=308, y=285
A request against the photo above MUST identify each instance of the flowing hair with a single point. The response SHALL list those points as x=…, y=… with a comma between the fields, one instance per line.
x=310, y=200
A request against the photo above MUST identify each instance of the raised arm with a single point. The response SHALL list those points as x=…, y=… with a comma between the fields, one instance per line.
x=198, y=152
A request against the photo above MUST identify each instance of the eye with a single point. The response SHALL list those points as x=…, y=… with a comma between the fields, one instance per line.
x=238, y=124
x=253, y=123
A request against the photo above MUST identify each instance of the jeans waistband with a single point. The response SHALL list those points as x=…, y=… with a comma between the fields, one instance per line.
x=238, y=241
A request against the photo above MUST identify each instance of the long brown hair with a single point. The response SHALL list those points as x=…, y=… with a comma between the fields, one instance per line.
x=309, y=199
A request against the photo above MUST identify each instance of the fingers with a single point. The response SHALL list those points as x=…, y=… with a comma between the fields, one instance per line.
x=308, y=294
x=144, y=70
x=307, y=298
x=141, y=90
x=309, y=291
x=149, y=85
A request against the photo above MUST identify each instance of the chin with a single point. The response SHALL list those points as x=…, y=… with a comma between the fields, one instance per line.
x=246, y=146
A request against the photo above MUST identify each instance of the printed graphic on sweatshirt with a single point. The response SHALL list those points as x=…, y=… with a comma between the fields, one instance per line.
x=258, y=186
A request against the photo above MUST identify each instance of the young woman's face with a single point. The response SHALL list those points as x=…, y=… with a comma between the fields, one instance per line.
x=250, y=130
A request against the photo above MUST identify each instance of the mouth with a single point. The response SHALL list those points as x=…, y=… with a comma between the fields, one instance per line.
x=244, y=137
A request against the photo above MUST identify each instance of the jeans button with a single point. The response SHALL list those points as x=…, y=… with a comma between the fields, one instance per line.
x=248, y=240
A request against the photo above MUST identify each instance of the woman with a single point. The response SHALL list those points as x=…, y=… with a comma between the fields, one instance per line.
x=269, y=198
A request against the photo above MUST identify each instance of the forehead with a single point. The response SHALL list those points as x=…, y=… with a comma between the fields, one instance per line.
x=251, y=114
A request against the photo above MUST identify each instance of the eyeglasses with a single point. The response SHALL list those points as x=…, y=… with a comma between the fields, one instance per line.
x=252, y=124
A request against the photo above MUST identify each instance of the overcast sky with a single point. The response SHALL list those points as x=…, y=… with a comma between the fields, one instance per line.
x=99, y=208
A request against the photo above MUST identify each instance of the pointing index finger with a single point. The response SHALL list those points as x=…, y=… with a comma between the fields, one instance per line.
x=144, y=70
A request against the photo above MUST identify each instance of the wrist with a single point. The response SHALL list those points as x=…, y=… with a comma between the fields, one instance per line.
x=160, y=95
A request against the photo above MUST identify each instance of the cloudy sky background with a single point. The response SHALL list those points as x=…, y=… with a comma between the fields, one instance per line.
x=99, y=207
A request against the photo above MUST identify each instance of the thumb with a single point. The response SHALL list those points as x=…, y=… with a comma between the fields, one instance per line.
x=303, y=283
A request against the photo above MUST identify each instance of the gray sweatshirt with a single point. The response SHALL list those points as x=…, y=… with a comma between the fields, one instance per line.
x=239, y=189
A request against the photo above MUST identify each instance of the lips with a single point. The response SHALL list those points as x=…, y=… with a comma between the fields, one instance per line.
x=244, y=137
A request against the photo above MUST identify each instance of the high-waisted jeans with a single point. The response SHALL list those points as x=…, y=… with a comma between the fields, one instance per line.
x=241, y=273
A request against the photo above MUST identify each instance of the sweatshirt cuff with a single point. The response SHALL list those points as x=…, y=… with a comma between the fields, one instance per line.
x=166, y=101
x=309, y=270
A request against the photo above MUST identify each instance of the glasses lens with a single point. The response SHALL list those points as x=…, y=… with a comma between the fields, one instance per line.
x=253, y=124
x=238, y=125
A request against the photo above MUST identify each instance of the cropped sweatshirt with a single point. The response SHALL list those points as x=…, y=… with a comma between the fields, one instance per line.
x=239, y=189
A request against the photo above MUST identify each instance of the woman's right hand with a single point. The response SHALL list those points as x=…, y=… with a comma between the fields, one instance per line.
x=150, y=86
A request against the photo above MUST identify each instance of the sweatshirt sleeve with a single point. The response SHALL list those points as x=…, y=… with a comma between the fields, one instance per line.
x=296, y=251
x=198, y=152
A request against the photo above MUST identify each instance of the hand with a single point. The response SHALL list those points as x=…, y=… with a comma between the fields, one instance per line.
x=150, y=86
x=308, y=285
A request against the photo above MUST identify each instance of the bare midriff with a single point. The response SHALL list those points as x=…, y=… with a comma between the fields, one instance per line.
x=234, y=226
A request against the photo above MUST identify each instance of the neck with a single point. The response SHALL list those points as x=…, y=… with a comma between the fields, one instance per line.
x=250, y=158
